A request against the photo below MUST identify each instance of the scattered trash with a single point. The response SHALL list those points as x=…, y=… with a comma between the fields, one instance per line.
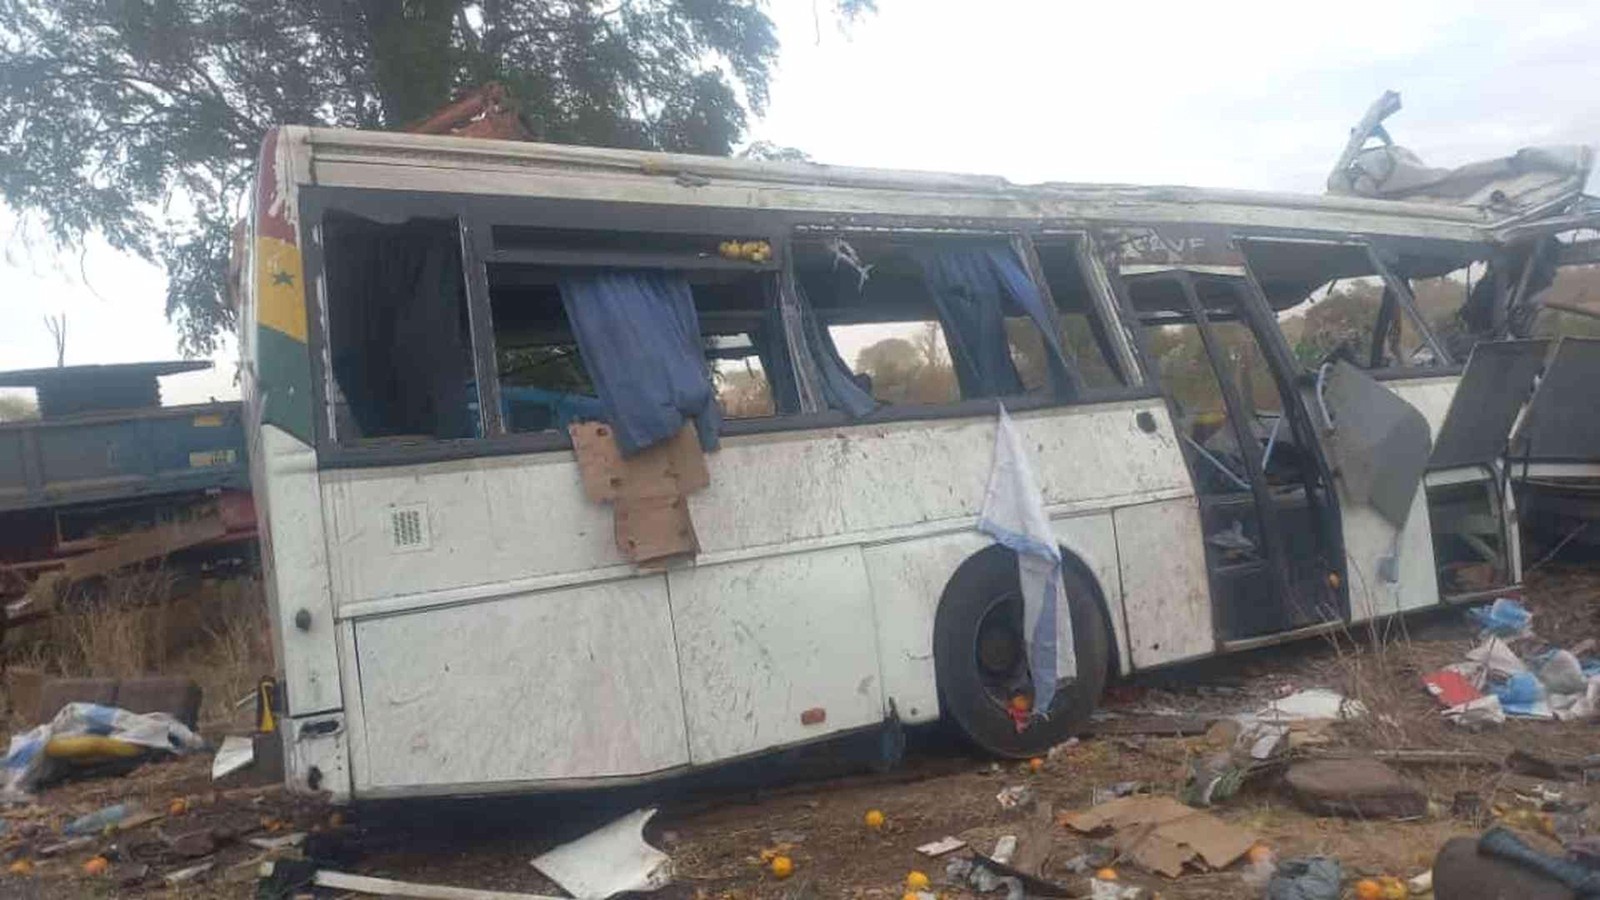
x=1358, y=787
x=1307, y=878
x=1477, y=714
x=1099, y=795
x=97, y=821
x=1523, y=696
x=1261, y=864
x=1494, y=657
x=612, y=859
x=184, y=875
x=1422, y=884
x=1313, y=703
x=1162, y=835
x=26, y=760
x=1017, y=796
x=288, y=878
x=237, y=752
x=1005, y=847
x=1104, y=886
x=1451, y=688
x=1561, y=673
x=941, y=846
x=282, y=842
x=1504, y=618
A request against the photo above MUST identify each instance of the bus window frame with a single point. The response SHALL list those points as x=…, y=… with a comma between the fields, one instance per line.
x=476, y=216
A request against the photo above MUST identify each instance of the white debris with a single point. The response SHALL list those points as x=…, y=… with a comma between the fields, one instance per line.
x=613, y=859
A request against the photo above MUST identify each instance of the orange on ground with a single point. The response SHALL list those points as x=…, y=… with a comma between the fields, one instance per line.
x=874, y=819
x=97, y=865
x=782, y=867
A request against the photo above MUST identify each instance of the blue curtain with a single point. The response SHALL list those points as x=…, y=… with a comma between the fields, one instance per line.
x=640, y=340
x=975, y=288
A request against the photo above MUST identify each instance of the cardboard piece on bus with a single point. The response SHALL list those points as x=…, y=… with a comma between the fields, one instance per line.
x=654, y=529
x=648, y=491
x=676, y=466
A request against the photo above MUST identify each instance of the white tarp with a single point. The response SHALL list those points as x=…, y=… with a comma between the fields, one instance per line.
x=25, y=759
x=1013, y=514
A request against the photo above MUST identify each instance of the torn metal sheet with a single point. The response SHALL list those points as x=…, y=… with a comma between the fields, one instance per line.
x=613, y=859
x=1380, y=442
x=1532, y=179
x=236, y=752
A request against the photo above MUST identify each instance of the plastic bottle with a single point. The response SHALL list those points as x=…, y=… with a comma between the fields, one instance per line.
x=97, y=821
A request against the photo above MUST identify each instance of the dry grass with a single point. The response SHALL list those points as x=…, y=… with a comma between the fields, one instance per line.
x=143, y=623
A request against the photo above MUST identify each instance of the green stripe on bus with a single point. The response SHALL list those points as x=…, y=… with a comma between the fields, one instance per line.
x=283, y=366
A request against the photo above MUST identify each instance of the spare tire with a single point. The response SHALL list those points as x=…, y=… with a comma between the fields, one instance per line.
x=981, y=663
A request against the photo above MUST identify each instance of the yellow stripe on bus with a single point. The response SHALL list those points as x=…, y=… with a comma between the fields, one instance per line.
x=280, y=287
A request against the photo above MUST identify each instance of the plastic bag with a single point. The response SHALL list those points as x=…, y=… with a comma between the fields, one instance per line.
x=1503, y=617
x=25, y=759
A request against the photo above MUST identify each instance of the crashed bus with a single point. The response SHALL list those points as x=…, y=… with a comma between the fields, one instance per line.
x=580, y=467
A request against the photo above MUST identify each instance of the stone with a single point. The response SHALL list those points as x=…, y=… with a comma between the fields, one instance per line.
x=1360, y=788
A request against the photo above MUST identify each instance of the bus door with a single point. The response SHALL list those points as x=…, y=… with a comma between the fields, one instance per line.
x=1272, y=536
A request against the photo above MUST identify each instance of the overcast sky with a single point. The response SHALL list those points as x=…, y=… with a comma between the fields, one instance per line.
x=1247, y=95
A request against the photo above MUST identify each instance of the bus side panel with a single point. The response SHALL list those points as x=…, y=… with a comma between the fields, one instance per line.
x=297, y=573
x=573, y=683
x=775, y=651
x=1165, y=588
x=1093, y=538
x=908, y=578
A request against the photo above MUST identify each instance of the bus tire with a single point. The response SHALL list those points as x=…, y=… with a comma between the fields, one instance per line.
x=985, y=583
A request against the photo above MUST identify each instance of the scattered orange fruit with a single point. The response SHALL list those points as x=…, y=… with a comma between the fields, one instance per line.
x=782, y=867
x=1367, y=889
x=1036, y=764
x=1260, y=853
x=910, y=895
x=21, y=867
x=97, y=865
x=177, y=807
x=1391, y=888
x=916, y=881
x=874, y=819
x=1021, y=702
x=1106, y=874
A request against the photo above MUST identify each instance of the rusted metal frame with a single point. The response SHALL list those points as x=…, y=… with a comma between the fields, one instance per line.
x=475, y=240
x=1283, y=367
x=1266, y=509
x=1403, y=295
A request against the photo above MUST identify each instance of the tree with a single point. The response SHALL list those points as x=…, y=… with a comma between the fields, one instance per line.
x=17, y=407
x=139, y=120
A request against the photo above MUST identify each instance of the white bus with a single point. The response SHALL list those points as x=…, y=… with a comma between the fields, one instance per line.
x=453, y=614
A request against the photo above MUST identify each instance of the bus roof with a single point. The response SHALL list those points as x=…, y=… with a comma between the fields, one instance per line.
x=448, y=164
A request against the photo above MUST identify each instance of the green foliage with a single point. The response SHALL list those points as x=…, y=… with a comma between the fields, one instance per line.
x=17, y=407
x=140, y=119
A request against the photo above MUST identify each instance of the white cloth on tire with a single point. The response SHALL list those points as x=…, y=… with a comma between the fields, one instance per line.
x=1013, y=514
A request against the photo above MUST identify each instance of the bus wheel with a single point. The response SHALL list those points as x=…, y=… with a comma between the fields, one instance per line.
x=982, y=664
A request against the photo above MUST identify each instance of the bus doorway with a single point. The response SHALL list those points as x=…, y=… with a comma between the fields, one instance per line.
x=1270, y=523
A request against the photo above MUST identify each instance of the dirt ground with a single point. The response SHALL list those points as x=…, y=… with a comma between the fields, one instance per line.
x=811, y=805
